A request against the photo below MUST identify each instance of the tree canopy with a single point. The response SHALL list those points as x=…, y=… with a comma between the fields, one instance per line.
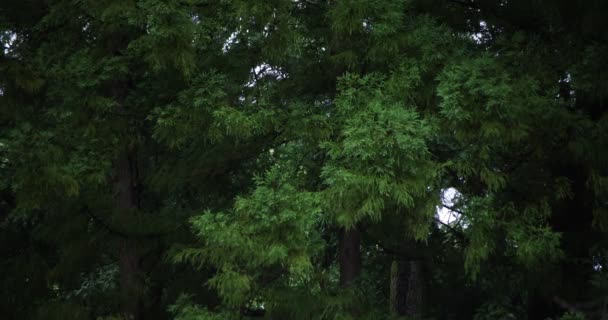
x=303, y=159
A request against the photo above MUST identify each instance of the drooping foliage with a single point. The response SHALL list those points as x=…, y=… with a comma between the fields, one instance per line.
x=351, y=159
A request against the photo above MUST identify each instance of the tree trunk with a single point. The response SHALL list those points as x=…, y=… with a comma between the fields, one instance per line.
x=406, y=291
x=349, y=256
x=415, y=288
x=126, y=202
x=399, y=285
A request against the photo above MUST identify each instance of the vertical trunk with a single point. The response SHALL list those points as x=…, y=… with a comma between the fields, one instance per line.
x=350, y=256
x=415, y=288
x=128, y=255
x=130, y=284
x=399, y=286
x=406, y=291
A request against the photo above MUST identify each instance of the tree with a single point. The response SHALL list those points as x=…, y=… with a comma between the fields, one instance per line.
x=90, y=90
x=294, y=154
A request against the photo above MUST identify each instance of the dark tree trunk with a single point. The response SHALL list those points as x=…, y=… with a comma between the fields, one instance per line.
x=399, y=285
x=126, y=202
x=130, y=283
x=349, y=256
x=415, y=290
x=407, y=288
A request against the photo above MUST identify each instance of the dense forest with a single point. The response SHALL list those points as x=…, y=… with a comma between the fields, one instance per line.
x=303, y=159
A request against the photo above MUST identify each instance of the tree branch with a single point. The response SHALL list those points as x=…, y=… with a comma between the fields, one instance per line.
x=451, y=208
x=454, y=231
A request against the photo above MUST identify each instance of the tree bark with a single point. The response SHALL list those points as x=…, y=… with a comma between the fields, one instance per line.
x=407, y=289
x=415, y=288
x=126, y=202
x=399, y=286
x=349, y=256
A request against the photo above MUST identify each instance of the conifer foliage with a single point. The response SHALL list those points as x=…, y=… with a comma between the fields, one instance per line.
x=303, y=159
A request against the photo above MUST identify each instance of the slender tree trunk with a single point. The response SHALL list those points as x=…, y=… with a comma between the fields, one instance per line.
x=126, y=202
x=349, y=256
x=130, y=284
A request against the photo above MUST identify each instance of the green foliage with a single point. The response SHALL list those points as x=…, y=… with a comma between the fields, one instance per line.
x=183, y=309
x=243, y=137
x=573, y=316
x=273, y=227
x=380, y=158
x=494, y=311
